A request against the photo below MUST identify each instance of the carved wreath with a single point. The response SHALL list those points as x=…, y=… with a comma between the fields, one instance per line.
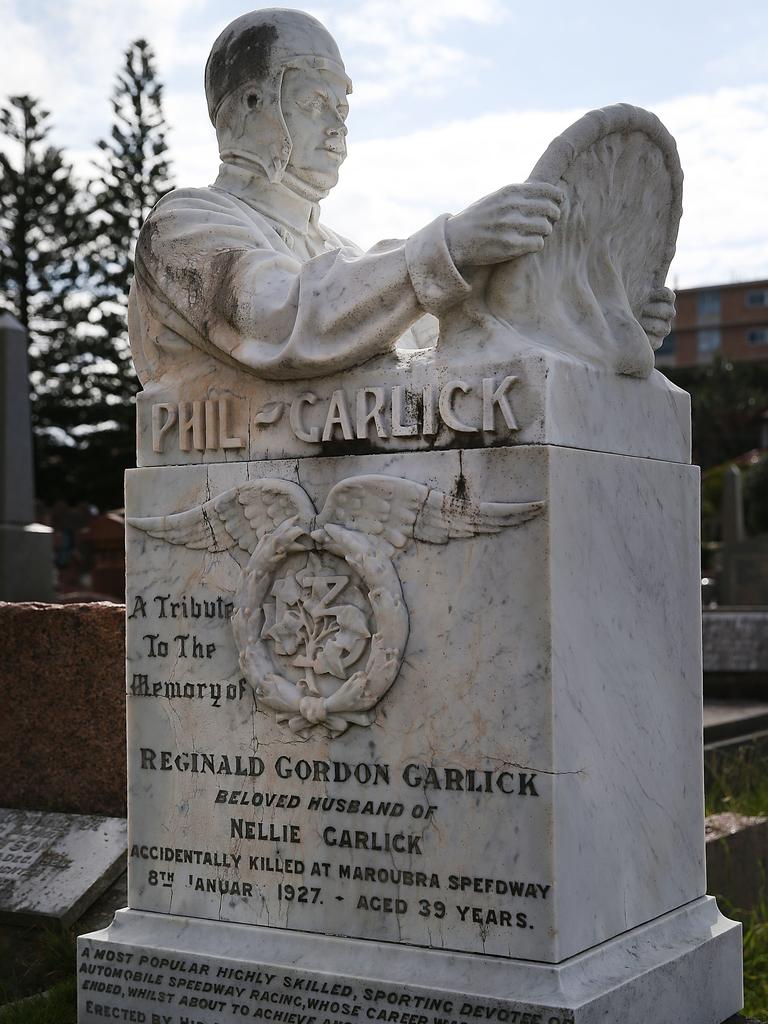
x=364, y=521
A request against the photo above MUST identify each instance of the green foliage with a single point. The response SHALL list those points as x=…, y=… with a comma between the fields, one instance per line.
x=754, y=925
x=738, y=781
x=58, y=1005
x=712, y=483
x=756, y=497
x=42, y=270
x=36, y=961
x=40, y=224
x=728, y=400
x=133, y=174
x=65, y=269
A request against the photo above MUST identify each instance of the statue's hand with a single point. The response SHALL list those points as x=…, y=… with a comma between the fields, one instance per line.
x=509, y=223
x=657, y=315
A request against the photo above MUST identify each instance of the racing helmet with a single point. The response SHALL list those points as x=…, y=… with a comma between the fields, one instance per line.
x=255, y=50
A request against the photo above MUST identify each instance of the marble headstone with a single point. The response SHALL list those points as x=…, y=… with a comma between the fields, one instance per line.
x=414, y=649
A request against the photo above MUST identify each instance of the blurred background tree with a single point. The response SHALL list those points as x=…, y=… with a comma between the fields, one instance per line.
x=727, y=401
x=66, y=262
x=132, y=174
x=43, y=234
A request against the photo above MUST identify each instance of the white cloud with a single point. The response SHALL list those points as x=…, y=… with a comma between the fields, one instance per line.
x=723, y=143
x=391, y=187
x=68, y=54
x=392, y=21
x=397, y=44
x=192, y=140
x=72, y=69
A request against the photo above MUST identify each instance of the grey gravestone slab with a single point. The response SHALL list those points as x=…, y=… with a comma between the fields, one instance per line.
x=26, y=553
x=735, y=640
x=17, y=500
x=53, y=866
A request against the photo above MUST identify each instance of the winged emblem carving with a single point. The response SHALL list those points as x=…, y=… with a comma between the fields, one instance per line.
x=320, y=621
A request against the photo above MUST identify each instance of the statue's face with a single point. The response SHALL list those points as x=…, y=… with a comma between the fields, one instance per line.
x=314, y=105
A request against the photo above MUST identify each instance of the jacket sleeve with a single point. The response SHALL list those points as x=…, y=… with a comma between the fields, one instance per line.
x=203, y=263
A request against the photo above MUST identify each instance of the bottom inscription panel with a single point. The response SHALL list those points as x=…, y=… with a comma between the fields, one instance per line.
x=154, y=969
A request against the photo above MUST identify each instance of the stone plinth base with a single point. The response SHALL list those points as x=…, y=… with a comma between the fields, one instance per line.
x=26, y=562
x=682, y=968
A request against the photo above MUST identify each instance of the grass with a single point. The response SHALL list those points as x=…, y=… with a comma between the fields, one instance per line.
x=756, y=961
x=39, y=962
x=58, y=1005
x=738, y=781
x=755, y=943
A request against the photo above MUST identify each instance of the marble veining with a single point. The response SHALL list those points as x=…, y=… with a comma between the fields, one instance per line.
x=413, y=596
x=544, y=734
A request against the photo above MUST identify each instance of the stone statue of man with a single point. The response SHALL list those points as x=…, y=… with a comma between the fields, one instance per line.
x=243, y=272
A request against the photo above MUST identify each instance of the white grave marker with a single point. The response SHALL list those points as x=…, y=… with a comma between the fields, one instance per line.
x=414, y=650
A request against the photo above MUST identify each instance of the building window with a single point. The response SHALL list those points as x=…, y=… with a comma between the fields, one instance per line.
x=757, y=298
x=757, y=336
x=708, y=341
x=709, y=304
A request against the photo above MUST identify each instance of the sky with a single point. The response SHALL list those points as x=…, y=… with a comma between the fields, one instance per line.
x=452, y=99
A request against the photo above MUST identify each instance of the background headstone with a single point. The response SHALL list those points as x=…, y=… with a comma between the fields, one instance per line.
x=744, y=560
x=53, y=866
x=26, y=551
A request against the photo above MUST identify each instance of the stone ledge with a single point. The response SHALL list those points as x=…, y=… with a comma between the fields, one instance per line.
x=683, y=967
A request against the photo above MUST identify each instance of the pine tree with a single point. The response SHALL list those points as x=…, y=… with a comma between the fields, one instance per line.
x=132, y=175
x=66, y=262
x=42, y=277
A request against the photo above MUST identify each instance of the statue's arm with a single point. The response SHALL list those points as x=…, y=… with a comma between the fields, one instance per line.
x=279, y=317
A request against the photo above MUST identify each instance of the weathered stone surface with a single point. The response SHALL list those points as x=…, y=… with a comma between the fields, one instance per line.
x=533, y=397
x=499, y=676
x=26, y=548
x=681, y=968
x=587, y=293
x=424, y=722
x=736, y=640
x=62, y=708
x=53, y=866
x=259, y=333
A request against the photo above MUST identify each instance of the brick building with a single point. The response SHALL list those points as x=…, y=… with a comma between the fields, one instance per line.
x=727, y=319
